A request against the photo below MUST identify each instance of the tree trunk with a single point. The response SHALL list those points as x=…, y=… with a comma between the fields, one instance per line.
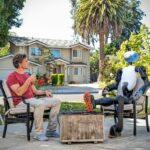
x=102, y=55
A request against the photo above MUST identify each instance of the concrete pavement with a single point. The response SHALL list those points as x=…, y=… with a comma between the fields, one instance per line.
x=16, y=139
x=16, y=134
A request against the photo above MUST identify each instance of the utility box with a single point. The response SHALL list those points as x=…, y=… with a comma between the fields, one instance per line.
x=81, y=127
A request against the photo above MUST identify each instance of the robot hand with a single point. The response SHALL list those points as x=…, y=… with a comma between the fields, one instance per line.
x=104, y=91
x=137, y=94
x=141, y=91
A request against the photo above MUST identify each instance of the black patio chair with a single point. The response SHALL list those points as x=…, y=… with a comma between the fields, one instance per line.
x=134, y=107
x=16, y=115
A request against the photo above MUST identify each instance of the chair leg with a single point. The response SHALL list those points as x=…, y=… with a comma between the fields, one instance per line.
x=115, y=114
x=147, y=123
x=134, y=116
x=28, y=128
x=31, y=125
x=5, y=128
x=146, y=113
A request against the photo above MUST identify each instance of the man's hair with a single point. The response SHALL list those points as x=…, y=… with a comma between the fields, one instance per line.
x=18, y=58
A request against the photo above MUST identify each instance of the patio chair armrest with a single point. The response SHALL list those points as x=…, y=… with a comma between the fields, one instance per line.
x=22, y=98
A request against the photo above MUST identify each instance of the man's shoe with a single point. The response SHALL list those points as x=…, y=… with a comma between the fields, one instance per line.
x=41, y=137
x=53, y=133
x=89, y=101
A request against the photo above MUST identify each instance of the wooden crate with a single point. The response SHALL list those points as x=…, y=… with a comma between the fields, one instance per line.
x=82, y=127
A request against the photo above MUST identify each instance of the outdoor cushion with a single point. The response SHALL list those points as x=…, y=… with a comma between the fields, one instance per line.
x=19, y=110
x=127, y=107
x=148, y=92
x=8, y=93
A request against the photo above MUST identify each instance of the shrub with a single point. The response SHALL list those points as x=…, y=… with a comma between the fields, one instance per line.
x=57, y=79
x=60, y=79
x=54, y=78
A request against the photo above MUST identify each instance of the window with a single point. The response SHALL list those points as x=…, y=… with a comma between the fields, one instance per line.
x=69, y=71
x=55, y=53
x=76, y=71
x=77, y=53
x=36, y=51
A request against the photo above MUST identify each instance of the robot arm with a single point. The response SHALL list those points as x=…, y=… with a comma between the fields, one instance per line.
x=142, y=71
x=113, y=86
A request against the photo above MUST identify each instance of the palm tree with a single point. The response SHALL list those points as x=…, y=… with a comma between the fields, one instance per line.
x=99, y=18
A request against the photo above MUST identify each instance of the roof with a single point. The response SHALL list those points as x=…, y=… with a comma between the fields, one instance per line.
x=11, y=55
x=62, y=60
x=51, y=43
x=77, y=64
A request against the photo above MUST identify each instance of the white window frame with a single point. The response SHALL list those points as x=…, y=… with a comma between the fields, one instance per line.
x=56, y=50
x=79, y=53
x=79, y=72
x=69, y=71
x=35, y=48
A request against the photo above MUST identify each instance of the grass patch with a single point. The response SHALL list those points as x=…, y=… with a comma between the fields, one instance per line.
x=74, y=106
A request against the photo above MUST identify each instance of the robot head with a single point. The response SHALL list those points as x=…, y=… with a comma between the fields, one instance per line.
x=131, y=56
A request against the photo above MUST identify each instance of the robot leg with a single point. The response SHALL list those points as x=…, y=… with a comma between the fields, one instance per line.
x=116, y=129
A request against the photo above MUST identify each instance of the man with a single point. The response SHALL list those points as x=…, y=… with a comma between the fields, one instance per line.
x=22, y=84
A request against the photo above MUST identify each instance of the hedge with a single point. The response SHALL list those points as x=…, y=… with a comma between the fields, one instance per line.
x=57, y=79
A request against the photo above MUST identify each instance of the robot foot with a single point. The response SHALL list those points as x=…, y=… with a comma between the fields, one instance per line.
x=89, y=101
x=113, y=133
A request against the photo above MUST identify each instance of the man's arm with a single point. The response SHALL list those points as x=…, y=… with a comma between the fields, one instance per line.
x=40, y=92
x=20, y=90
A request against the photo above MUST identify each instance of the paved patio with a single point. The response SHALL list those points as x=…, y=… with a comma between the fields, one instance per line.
x=16, y=134
x=16, y=139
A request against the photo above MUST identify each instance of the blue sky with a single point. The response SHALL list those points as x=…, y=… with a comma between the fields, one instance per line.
x=52, y=19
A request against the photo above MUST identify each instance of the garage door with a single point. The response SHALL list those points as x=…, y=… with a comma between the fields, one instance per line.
x=5, y=72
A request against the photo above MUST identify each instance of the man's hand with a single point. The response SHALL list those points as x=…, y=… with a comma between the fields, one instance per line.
x=32, y=78
x=48, y=94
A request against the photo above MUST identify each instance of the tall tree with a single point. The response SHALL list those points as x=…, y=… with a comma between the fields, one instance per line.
x=9, y=16
x=132, y=24
x=99, y=18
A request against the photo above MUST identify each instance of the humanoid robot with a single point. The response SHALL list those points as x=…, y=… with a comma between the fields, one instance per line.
x=126, y=79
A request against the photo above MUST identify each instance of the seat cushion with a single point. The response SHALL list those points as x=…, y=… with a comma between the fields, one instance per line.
x=148, y=92
x=127, y=107
x=8, y=93
x=19, y=110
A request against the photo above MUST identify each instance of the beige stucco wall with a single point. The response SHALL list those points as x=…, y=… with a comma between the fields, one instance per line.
x=65, y=54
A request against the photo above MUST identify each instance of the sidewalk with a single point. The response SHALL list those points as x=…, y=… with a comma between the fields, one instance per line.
x=16, y=139
x=73, y=88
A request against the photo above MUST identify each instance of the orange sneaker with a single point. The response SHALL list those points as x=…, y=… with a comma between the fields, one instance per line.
x=87, y=100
